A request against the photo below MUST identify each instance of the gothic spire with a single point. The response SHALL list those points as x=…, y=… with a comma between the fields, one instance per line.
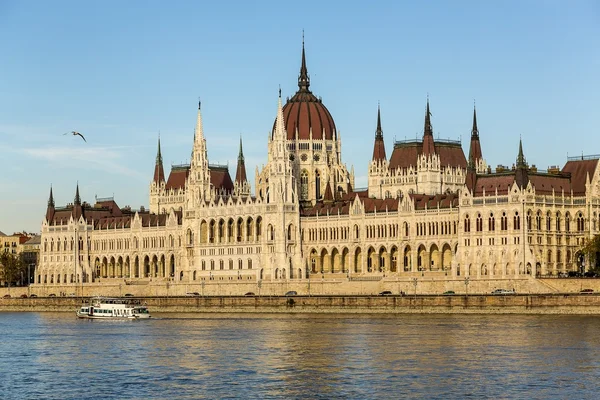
x=428, y=145
x=303, y=79
x=77, y=198
x=199, y=133
x=521, y=163
x=240, y=173
x=474, y=130
x=51, y=198
x=475, y=148
x=50, y=208
x=521, y=173
x=159, y=173
x=379, y=146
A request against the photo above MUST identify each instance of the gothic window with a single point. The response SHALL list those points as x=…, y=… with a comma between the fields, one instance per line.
x=548, y=221
x=479, y=224
x=528, y=220
x=317, y=185
x=504, y=222
x=491, y=223
x=304, y=184
x=557, y=222
x=467, y=224
x=568, y=222
x=516, y=221
x=580, y=223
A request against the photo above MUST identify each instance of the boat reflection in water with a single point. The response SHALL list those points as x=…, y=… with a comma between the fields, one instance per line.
x=113, y=308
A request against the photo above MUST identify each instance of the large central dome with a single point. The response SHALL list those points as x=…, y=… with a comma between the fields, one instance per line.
x=305, y=112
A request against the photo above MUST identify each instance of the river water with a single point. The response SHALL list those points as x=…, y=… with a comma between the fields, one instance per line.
x=271, y=356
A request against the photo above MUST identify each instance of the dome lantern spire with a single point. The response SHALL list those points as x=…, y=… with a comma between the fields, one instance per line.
x=303, y=79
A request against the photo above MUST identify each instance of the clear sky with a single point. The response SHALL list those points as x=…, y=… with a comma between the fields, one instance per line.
x=119, y=72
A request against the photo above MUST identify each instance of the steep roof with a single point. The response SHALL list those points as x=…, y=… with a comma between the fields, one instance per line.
x=425, y=201
x=177, y=177
x=405, y=154
x=220, y=178
x=579, y=169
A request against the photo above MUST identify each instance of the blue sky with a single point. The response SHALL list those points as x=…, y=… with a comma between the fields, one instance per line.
x=120, y=72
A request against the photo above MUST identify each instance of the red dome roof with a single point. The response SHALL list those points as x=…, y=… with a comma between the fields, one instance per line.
x=304, y=111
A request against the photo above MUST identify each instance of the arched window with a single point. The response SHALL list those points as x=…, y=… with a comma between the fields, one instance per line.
x=516, y=221
x=479, y=223
x=467, y=223
x=548, y=221
x=491, y=223
x=503, y=221
x=580, y=222
x=558, y=222
x=304, y=185
x=538, y=221
x=317, y=184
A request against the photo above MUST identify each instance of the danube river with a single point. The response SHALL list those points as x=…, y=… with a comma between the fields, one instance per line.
x=266, y=356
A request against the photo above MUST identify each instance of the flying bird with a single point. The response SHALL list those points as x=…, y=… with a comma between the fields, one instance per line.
x=75, y=133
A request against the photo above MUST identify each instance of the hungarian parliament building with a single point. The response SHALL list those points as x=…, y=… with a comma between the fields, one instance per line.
x=428, y=211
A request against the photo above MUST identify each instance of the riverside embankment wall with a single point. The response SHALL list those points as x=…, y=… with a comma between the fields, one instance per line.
x=418, y=284
x=461, y=304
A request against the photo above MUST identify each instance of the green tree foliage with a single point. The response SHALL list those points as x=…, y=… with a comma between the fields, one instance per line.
x=12, y=266
x=591, y=250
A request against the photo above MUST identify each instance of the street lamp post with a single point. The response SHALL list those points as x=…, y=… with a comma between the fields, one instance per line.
x=415, y=281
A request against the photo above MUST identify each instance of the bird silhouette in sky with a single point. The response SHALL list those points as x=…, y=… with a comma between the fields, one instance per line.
x=75, y=133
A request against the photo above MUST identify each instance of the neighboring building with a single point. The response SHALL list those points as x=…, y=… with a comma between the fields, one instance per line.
x=428, y=210
x=31, y=251
x=12, y=244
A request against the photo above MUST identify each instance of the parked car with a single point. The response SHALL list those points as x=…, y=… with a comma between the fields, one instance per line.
x=590, y=274
x=128, y=295
x=250, y=294
x=503, y=291
x=573, y=274
x=23, y=296
x=6, y=296
x=586, y=291
x=51, y=295
x=193, y=294
x=33, y=295
x=449, y=292
x=385, y=293
x=291, y=293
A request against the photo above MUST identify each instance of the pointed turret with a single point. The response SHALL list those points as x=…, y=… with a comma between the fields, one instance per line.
x=379, y=146
x=240, y=173
x=521, y=173
x=303, y=79
x=77, y=201
x=428, y=145
x=475, y=147
x=198, y=132
x=77, y=208
x=159, y=173
x=50, y=209
x=521, y=163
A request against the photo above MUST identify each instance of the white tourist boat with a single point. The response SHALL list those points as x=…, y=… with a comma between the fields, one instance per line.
x=113, y=308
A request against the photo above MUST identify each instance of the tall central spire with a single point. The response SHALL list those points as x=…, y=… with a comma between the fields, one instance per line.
x=303, y=79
